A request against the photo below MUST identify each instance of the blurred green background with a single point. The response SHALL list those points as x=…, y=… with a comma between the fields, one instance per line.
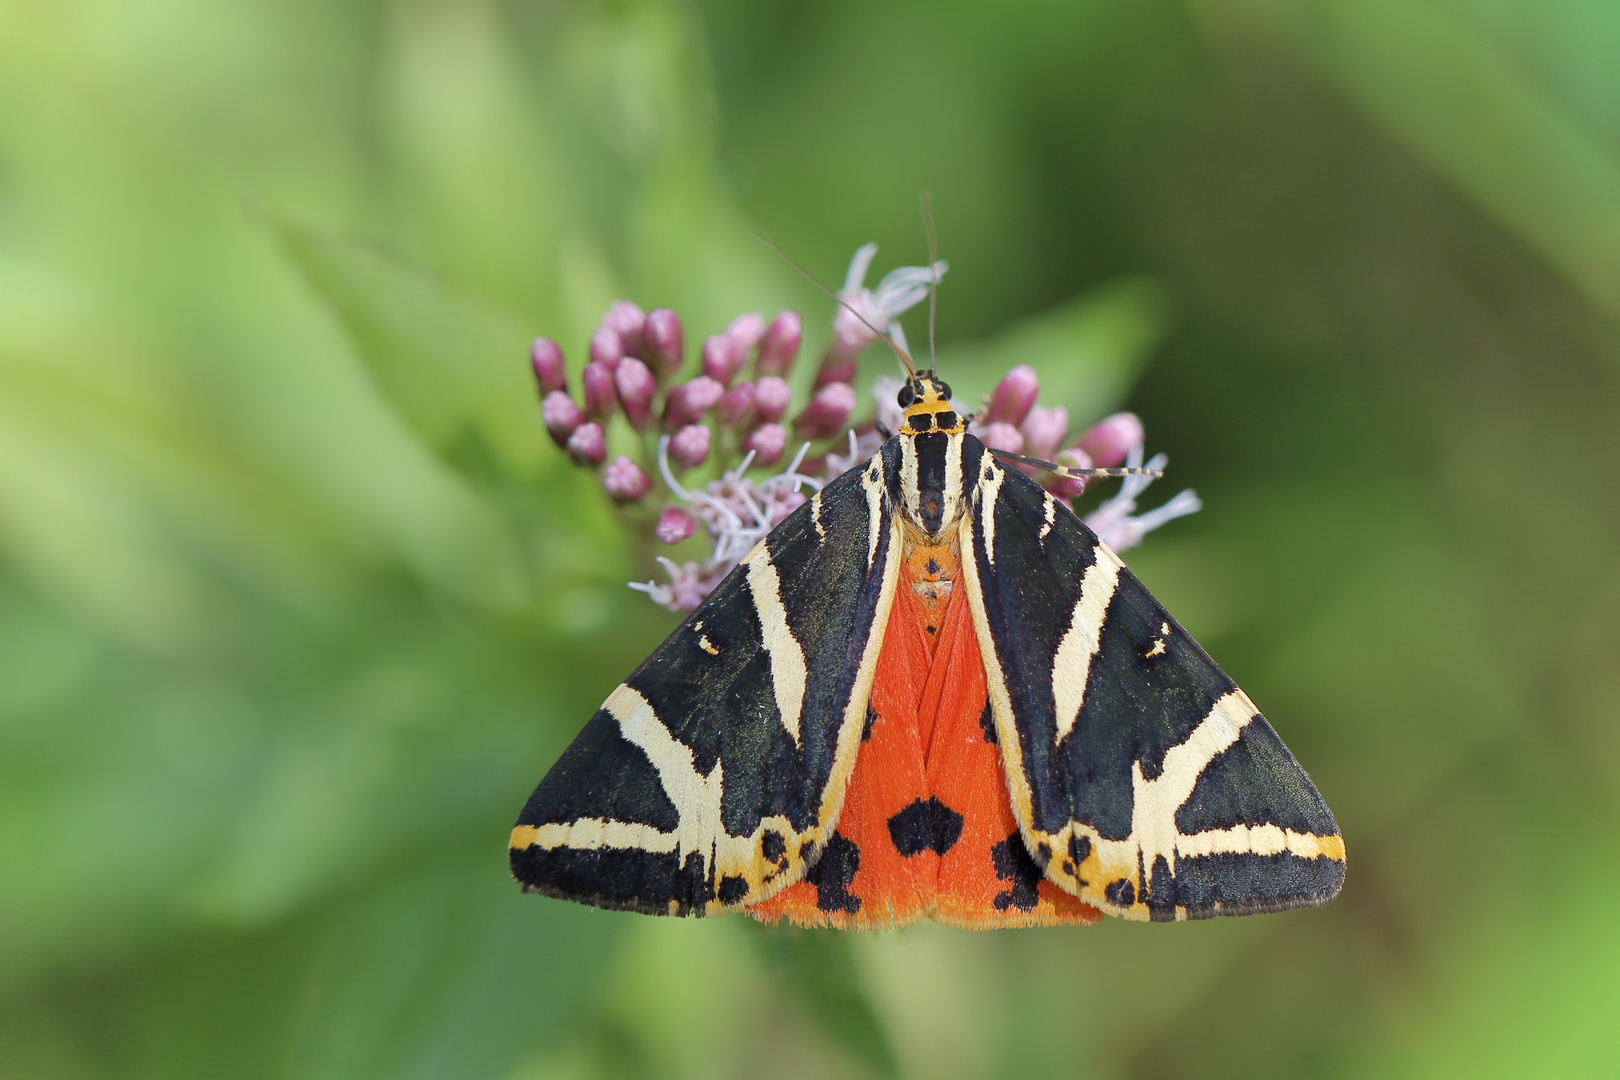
x=297, y=602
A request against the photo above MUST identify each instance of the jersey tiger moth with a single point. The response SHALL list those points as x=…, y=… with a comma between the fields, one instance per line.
x=931, y=691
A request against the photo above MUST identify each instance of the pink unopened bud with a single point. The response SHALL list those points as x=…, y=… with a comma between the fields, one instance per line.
x=837, y=366
x=780, y=346
x=627, y=321
x=827, y=411
x=674, y=525
x=723, y=358
x=1014, y=395
x=737, y=409
x=562, y=416
x=636, y=386
x=1000, y=435
x=661, y=336
x=1112, y=439
x=625, y=480
x=1069, y=487
x=588, y=444
x=746, y=330
x=772, y=397
x=600, y=396
x=1043, y=430
x=688, y=402
x=606, y=348
x=547, y=359
x=689, y=447
x=767, y=442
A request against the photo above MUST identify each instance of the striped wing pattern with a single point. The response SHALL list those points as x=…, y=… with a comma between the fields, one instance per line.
x=713, y=776
x=1145, y=782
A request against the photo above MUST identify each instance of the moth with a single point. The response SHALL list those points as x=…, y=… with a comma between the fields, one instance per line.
x=931, y=691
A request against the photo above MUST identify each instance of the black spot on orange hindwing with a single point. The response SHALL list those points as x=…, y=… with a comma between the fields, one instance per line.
x=1013, y=864
x=833, y=873
x=773, y=847
x=871, y=718
x=924, y=826
x=987, y=723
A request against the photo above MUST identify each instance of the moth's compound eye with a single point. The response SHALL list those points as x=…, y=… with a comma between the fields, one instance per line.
x=944, y=390
x=907, y=396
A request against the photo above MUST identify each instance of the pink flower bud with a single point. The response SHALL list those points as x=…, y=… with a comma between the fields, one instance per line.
x=772, y=397
x=827, y=411
x=636, y=386
x=562, y=416
x=746, y=330
x=1043, y=430
x=689, y=447
x=1000, y=435
x=547, y=359
x=1069, y=487
x=837, y=366
x=606, y=348
x=627, y=321
x=661, y=334
x=1112, y=439
x=625, y=480
x=723, y=358
x=767, y=442
x=600, y=397
x=1014, y=395
x=780, y=346
x=737, y=409
x=674, y=525
x=588, y=444
x=688, y=402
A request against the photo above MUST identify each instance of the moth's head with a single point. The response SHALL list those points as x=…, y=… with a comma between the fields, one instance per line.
x=927, y=404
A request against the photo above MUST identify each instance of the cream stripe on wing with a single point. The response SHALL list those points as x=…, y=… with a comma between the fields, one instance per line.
x=788, y=672
x=696, y=798
x=1155, y=802
x=1071, y=664
x=590, y=834
x=989, y=489
x=954, y=481
x=872, y=484
x=1259, y=840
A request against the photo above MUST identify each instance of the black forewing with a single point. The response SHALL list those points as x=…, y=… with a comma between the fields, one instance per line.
x=712, y=689
x=1171, y=796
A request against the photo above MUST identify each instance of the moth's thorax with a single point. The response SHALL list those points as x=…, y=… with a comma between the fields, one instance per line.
x=930, y=489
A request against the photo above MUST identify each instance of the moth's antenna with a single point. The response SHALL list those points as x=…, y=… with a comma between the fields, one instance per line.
x=911, y=369
x=933, y=278
x=1064, y=470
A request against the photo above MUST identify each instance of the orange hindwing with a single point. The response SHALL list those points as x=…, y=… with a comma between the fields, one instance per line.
x=927, y=827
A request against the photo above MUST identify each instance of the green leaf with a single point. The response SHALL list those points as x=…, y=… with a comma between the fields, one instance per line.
x=442, y=970
x=817, y=967
x=454, y=370
x=1470, y=107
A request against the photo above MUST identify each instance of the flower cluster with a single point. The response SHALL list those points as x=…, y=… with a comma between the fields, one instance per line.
x=635, y=359
x=1012, y=421
x=731, y=424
